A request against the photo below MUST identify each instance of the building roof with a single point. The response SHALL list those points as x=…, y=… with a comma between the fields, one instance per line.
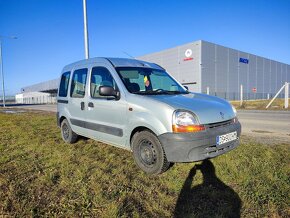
x=52, y=85
x=48, y=86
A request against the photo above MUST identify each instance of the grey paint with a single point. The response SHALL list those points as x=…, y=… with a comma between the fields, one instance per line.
x=112, y=122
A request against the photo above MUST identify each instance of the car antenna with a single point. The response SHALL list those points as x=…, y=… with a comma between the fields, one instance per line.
x=128, y=55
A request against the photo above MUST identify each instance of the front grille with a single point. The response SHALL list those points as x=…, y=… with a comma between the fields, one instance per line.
x=219, y=124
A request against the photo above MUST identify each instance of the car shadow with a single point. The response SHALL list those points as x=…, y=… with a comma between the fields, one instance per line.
x=212, y=198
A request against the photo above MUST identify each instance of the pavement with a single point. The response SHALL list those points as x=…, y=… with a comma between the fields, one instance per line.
x=265, y=126
x=41, y=107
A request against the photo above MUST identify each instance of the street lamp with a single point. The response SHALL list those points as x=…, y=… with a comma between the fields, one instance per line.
x=1, y=61
x=87, y=54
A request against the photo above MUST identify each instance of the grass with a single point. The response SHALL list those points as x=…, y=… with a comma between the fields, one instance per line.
x=40, y=175
x=278, y=104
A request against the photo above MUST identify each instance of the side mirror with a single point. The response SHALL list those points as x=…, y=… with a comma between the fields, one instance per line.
x=186, y=87
x=108, y=91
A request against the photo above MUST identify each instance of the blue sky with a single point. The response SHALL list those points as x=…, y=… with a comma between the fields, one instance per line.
x=50, y=32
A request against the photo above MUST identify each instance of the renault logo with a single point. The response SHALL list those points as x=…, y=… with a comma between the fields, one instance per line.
x=222, y=115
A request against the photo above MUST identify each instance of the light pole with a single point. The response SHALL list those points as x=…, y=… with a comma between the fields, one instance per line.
x=87, y=55
x=2, y=73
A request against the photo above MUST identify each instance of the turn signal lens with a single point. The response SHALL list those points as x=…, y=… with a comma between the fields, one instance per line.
x=190, y=128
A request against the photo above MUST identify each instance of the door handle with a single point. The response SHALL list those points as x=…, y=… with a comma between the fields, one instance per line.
x=91, y=104
x=82, y=105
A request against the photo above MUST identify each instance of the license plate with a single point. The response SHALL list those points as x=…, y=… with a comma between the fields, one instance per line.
x=222, y=139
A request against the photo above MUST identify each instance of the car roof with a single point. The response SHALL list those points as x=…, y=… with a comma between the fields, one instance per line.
x=116, y=62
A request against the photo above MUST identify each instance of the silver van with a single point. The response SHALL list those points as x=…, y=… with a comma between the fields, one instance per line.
x=138, y=106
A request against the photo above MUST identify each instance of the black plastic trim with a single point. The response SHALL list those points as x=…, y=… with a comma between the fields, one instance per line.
x=110, y=62
x=98, y=127
x=190, y=83
x=57, y=119
x=189, y=147
x=62, y=101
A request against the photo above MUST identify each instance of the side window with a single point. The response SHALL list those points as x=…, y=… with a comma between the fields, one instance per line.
x=78, y=83
x=101, y=76
x=64, y=81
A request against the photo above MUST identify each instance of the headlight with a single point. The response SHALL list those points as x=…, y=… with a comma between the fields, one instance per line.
x=184, y=118
x=185, y=121
x=235, y=110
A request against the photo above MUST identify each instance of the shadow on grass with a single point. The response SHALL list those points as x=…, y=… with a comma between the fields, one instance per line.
x=212, y=198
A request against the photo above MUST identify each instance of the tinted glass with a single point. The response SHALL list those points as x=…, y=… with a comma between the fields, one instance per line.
x=101, y=76
x=64, y=81
x=78, y=84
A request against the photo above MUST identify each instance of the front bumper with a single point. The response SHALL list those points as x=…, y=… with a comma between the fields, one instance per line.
x=189, y=147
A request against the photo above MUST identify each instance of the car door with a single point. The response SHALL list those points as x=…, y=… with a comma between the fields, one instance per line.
x=106, y=115
x=77, y=102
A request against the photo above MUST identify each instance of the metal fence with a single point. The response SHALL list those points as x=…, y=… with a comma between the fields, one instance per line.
x=235, y=96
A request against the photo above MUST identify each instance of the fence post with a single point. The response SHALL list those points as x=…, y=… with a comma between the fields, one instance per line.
x=286, y=94
x=275, y=96
x=241, y=96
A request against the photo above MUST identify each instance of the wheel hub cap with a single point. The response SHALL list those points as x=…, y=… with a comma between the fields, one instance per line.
x=65, y=131
x=147, y=152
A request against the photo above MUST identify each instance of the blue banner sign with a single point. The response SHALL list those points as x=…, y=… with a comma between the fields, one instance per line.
x=244, y=60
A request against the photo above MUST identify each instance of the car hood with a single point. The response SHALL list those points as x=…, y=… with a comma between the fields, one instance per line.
x=209, y=109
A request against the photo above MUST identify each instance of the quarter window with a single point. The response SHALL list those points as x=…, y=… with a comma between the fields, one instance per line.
x=78, y=84
x=101, y=76
x=64, y=81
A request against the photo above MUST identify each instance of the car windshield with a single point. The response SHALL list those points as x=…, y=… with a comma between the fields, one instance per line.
x=147, y=81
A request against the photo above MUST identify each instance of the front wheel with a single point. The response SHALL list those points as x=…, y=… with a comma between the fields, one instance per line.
x=67, y=134
x=148, y=153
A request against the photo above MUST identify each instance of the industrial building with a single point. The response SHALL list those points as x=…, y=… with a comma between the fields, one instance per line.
x=210, y=68
x=204, y=67
x=41, y=93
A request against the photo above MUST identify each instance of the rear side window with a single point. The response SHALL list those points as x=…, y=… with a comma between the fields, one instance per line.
x=64, y=81
x=78, y=84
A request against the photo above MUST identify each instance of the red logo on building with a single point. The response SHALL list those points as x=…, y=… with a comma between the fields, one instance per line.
x=187, y=59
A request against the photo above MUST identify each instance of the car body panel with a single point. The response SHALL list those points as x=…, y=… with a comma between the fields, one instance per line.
x=113, y=120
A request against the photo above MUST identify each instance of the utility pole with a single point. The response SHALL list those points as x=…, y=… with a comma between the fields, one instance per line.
x=2, y=76
x=87, y=55
x=1, y=68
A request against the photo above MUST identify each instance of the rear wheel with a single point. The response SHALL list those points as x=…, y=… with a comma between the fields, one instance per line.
x=148, y=153
x=67, y=134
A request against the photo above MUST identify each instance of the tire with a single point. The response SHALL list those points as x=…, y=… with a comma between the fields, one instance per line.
x=148, y=153
x=67, y=134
